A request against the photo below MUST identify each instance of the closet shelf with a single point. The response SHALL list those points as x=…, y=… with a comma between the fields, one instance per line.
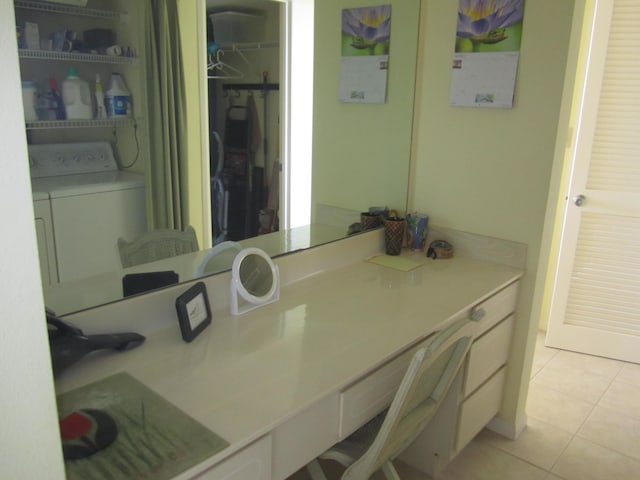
x=93, y=123
x=248, y=46
x=72, y=56
x=70, y=10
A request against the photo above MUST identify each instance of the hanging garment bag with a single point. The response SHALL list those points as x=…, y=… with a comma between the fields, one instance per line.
x=236, y=163
x=236, y=141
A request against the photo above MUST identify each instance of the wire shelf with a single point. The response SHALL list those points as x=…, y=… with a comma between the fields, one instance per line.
x=74, y=57
x=248, y=46
x=93, y=123
x=70, y=10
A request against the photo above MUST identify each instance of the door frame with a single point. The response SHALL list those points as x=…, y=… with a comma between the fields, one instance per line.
x=545, y=281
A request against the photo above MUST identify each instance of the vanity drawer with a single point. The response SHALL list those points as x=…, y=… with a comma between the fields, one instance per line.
x=477, y=410
x=250, y=463
x=304, y=436
x=365, y=399
x=488, y=353
x=495, y=308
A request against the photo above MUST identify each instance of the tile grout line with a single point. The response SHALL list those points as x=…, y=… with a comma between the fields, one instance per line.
x=520, y=458
x=550, y=387
x=495, y=447
x=596, y=442
x=589, y=415
x=573, y=435
x=542, y=367
x=595, y=405
x=560, y=456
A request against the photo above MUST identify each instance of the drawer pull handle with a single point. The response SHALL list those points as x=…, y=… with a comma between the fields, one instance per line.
x=478, y=314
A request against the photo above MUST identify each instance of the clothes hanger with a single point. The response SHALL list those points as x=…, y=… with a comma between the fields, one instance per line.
x=219, y=68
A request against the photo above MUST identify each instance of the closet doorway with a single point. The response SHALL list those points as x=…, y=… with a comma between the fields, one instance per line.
x=245, y=111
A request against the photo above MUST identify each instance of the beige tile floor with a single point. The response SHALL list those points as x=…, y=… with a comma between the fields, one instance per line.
x=583, y=424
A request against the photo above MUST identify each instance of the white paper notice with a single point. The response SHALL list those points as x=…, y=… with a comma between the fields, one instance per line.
x=364, y=79
x=484, y=79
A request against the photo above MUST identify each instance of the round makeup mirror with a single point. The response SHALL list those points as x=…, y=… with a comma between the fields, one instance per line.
x=255, y=281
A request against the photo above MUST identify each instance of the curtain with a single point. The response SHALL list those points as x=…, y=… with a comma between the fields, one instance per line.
x=166, y=184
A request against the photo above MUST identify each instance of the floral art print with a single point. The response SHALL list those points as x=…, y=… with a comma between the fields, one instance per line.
x=366, y=31
x=489, y=25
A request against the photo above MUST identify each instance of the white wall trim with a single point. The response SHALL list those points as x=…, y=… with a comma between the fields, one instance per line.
x=508, y=429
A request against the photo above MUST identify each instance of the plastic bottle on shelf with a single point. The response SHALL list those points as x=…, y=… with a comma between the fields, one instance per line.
x=76, y=96
x=29, y=100
x=118, y=97
x=56, y=102
x=101, y=111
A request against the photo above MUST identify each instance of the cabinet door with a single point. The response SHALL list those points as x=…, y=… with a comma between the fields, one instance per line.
x=479, y=408
x=495, y=308
x=488, y=354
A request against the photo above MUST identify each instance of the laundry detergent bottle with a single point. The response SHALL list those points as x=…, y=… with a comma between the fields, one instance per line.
x=101, y=111
x=76, y=96
x=118, y=97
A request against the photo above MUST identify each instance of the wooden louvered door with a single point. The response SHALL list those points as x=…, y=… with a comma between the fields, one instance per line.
x=596, y=302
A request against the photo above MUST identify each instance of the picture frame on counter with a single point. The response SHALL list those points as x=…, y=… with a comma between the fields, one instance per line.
x=194, y=311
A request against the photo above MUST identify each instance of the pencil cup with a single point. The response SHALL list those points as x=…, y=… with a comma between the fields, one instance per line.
x=370, y=220
x=416, y=231
x=394, y=228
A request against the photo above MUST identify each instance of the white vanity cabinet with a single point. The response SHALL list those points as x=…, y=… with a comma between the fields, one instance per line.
x=251, y=463
x=304, y=436
x=369, y=396
x=485, y=371
x=487, y=357
x=474, y=399
x=476, y=396
x=302, y=374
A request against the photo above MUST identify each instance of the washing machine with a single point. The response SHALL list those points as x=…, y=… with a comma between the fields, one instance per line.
x=83, y=203
x=44, y=233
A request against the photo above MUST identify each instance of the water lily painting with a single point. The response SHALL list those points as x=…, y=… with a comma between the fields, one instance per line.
x=489, y=25
x=365, y=41
x=487, y=51
x=366, y=31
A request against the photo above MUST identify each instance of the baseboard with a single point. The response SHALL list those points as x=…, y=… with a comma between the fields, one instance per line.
x=508, y=429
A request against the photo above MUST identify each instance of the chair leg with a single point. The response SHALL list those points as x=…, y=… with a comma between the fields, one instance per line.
x=390, y=471
x=315, y=470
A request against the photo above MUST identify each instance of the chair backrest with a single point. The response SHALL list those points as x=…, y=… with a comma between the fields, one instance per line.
x=424, y=386
x=156, y=245
x=208, y=261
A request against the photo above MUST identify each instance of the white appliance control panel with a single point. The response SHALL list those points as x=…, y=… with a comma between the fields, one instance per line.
x=55, y=159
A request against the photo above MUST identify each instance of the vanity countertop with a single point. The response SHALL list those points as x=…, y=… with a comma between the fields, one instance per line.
x=245, y=375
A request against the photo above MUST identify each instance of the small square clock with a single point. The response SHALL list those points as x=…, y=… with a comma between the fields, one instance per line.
x=194, y=313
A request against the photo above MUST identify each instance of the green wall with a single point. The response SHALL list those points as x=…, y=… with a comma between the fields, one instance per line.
x=488, y=171
x=361, y=151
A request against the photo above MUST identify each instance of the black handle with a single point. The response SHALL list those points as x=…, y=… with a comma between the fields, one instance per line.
x=116, y=341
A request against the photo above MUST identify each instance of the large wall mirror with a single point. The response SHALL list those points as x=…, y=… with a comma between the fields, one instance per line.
x=358, y=154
